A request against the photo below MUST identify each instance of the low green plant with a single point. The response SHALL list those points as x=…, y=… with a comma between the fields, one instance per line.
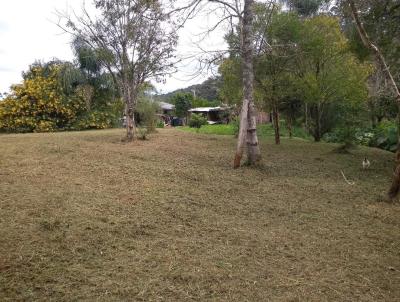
x=386, y=136
x=146, y=109
x=197, y=120
x=142, y=133
x=235, y=123
x=160, y=124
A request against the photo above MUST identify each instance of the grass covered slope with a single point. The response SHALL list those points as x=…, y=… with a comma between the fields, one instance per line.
x=84, y=217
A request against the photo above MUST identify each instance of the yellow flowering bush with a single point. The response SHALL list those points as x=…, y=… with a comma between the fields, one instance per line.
x=94, y=120
x=40, y=104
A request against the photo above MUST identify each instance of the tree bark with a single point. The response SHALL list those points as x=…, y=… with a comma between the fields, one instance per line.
x=318, y=123
x=370, y=45
x=130, y=124
x=242, y=133
x=306, y=117
x=276, y=125
x=380, y=59
x=289, y=126
x=248, y=124
x=130, y=101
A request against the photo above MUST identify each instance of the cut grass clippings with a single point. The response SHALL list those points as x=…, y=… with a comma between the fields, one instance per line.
x=84, y=217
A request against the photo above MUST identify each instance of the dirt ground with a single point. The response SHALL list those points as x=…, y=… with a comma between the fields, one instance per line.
x=84, y=217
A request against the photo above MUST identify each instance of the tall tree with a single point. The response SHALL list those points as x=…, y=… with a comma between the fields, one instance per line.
x=248, y=123
x=134, y=40
x=381, y=62
x=277, y=33
x=380, y=59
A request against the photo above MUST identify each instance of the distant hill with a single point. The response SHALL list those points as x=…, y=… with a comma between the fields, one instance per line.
x=207, y=90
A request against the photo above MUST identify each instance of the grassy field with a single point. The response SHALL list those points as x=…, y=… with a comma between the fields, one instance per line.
x=263, y=131
x=84, y=217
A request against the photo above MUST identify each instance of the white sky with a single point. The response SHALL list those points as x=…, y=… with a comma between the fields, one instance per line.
x=28, y=33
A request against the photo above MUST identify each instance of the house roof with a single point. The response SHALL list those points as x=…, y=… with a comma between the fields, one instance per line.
x=207, y=109
x=166, y=106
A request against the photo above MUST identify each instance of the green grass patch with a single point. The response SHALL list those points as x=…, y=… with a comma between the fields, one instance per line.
x=263, y=130
x=212, y=129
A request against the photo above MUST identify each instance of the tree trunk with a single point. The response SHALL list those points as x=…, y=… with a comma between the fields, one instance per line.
x=253, y=149
x=130, y=99
x=276, y=125
x=394, y=189
x=248, y=124
x=289, y=126
x=242, y=133
x=130, y=124
x=306, y=117
x=317, y=130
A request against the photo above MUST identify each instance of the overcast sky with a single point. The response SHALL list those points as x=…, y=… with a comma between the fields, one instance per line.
x=28, y=33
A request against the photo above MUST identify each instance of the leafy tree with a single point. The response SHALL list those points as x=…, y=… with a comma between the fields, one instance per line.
x=200, y=102
x=273, y=74
x=330, y=73
x=197, y=120
x=182, y=102
x=147, y=109
x=134, y=41
x=44, y=103
x=380, y=21
x=382, y=63
x=230, y=90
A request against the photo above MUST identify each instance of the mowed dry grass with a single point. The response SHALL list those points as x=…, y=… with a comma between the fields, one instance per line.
x=84, y=217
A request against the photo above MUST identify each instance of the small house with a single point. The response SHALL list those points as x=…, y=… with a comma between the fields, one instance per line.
x=166, y=112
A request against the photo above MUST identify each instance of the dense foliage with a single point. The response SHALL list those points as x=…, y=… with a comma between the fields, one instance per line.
x=41, y=103
x=197, y=120
x=305, y=72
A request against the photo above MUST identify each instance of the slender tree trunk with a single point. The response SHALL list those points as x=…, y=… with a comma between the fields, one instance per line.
x=248, y=123
x=380, y=59
x=130, y=124
x=130, y=99
x=276, y=125
x=317, y=131
x=289, y=126
x=306, y=116
x=370, y=45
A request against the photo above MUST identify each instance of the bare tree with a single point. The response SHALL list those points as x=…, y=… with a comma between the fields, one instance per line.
x=381, y=62
x=135, y=41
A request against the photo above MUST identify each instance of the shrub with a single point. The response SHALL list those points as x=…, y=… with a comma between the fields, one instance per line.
x=147, y=110
x=93, y=120
x=42, y=104
x=45, y=126
x=160, y=124
x=142, y=133
x=385, y=136
x=39, y=104
x=236, y=126
x=197, y=120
